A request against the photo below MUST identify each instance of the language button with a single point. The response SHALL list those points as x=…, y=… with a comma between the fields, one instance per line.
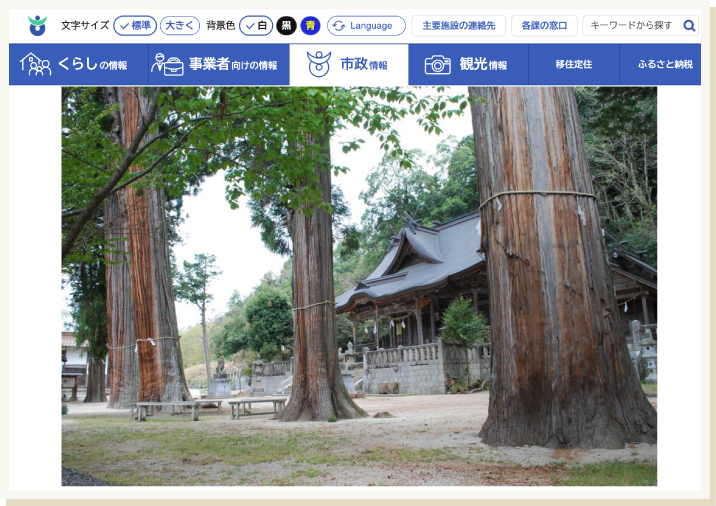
x=362, y=26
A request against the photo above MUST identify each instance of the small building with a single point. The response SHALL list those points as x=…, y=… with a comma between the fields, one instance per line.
x=74, y=358
x=424, y=270
x=75, y=361
x=74, y=365
x=635, y=283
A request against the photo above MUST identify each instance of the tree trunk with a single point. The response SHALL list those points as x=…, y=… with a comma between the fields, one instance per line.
x=562, y=375
x=123, y=361
x=161, y=372
x=207, y=359
x=95, y=382
x=318, y=391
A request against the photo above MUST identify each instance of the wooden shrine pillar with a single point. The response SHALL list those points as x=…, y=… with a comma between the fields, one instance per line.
x=645, y=308
x=419, y=320
x=474, y=301
x=409, y=337
x=377, y=329
x=432, y=321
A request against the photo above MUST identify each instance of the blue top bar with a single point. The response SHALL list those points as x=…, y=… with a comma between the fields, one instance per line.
x=429, y=64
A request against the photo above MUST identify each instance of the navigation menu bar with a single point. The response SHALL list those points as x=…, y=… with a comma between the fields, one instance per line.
x=356, y=64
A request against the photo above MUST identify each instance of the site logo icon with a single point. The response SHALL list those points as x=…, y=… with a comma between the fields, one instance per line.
x=318, y=66
x=37, y=25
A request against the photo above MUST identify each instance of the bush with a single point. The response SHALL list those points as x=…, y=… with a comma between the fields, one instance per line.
x=64, y=409
x=462, y=325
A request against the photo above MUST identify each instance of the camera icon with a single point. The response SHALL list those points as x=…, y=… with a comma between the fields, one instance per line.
x=437, y=64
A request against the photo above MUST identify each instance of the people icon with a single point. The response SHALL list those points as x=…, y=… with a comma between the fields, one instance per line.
x=39, y=67
x=160, y=62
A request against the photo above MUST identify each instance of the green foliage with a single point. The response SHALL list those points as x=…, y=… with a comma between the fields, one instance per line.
x=92, y=155
x=620, y=135
x=192, y=347
x=88, y=304
x=462, y=325
x=271, y=216
x=270, y=325
x=64, y=409
x=640, y=236
x=448, y=193
x=229, y=331
x=191, y=285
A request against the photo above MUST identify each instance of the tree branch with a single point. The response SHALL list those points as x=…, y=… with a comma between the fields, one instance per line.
x=89, y=211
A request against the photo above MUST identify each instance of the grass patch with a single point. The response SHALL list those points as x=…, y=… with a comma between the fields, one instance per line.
x=171, y=451
x=611, y=474
x=649, y=388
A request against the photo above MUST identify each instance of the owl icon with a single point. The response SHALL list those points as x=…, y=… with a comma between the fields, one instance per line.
x=318, y=66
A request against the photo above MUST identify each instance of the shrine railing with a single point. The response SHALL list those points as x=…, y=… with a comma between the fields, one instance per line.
x=421, y=353
x=272, y=368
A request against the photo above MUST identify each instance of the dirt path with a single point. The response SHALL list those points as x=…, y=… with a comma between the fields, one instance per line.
x=431, y=440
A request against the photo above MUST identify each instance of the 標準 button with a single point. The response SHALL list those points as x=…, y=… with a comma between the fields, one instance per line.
x=135, y=26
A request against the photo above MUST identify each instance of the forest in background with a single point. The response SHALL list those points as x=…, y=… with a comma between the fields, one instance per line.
x=620, y=131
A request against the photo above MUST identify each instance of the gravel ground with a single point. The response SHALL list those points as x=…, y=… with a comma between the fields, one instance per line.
x=72, y=478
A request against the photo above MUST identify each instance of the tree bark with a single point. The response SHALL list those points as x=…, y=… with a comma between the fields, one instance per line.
x=318, y=391
x=562, y=376
x=95, y=382
x=123, y=361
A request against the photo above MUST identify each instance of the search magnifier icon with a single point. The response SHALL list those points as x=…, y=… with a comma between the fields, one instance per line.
x=689, y=25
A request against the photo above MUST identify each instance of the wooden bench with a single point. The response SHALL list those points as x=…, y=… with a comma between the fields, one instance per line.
x=278, y=405
x=149, y=411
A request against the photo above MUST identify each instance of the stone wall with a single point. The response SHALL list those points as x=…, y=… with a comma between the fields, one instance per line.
x=478, y=360
x=266, y=378
x=418, y=370
x=412, y=378
x=423, y=369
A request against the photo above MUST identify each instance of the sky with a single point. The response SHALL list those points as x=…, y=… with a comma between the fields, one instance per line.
x=211, y=226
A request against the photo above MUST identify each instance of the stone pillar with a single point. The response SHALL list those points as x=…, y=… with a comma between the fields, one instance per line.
x=649, y=354
x=635, y=327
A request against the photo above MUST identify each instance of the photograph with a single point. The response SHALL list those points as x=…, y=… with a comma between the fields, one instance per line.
x=359, y=286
